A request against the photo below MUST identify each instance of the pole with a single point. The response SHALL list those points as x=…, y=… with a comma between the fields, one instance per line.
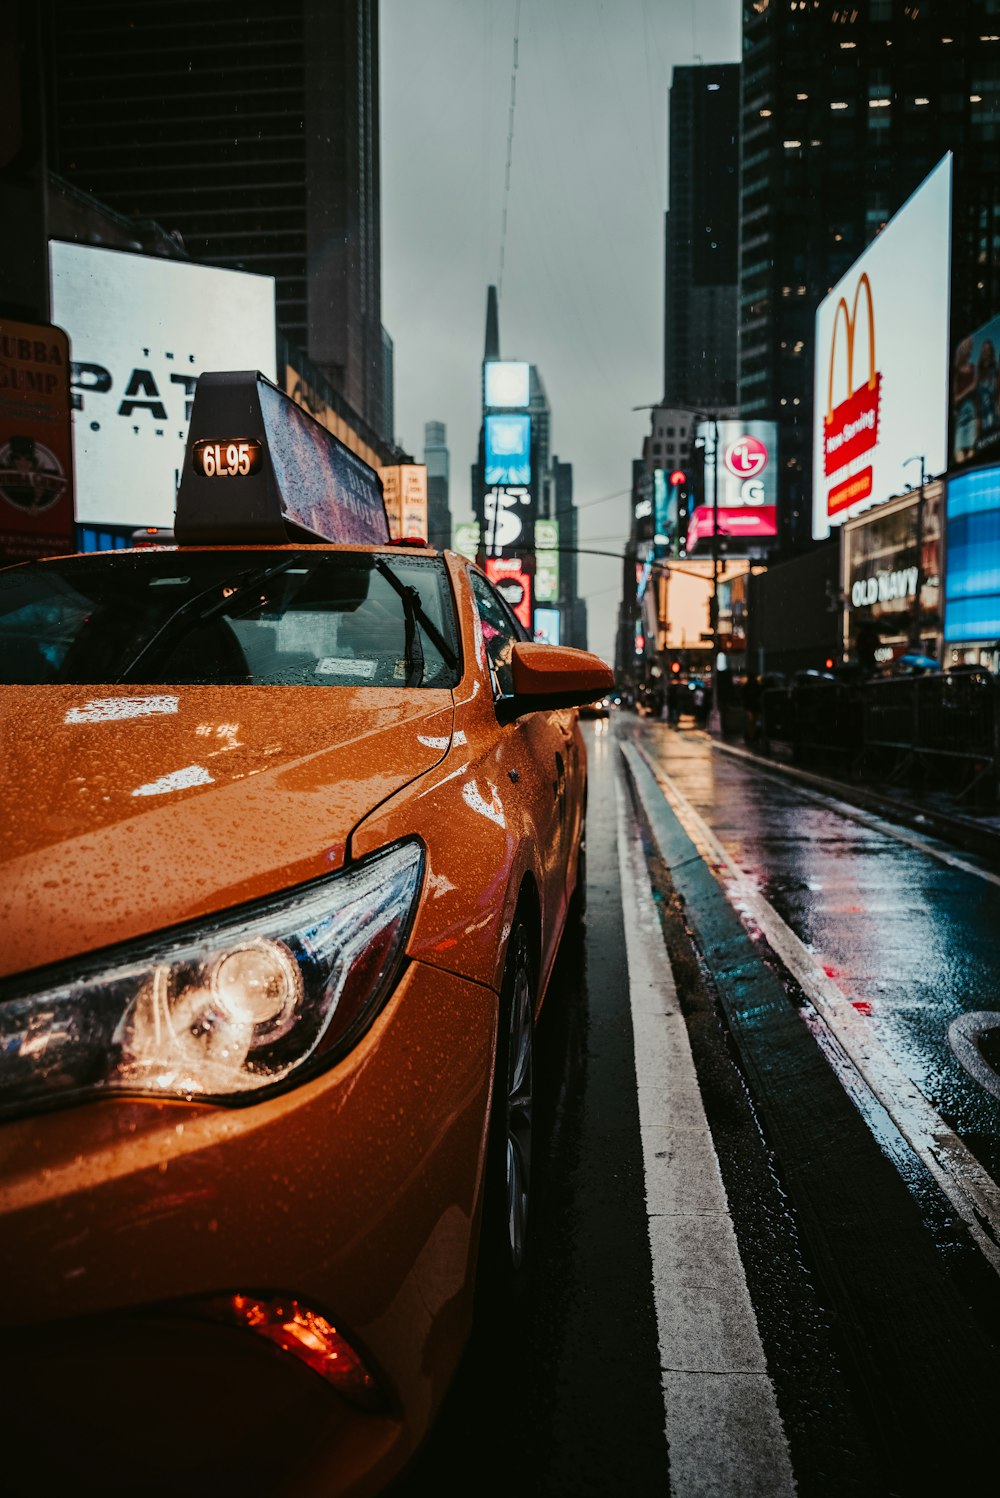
x=915, y=621
x=714, y=716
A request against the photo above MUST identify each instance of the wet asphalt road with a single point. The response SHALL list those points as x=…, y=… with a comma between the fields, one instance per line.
x=880, y=1318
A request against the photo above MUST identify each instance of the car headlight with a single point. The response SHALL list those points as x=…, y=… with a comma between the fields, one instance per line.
x=222, y=1009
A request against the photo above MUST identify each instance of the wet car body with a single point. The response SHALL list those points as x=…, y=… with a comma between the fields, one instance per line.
x=174, y=1262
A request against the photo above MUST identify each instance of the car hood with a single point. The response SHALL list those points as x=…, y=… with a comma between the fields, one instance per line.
x=126, y=810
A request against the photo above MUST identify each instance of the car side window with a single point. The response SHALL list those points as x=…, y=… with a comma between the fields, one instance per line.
x=500, y=632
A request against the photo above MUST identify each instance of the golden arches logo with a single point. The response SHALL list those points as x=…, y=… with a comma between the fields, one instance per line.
x=850, y=325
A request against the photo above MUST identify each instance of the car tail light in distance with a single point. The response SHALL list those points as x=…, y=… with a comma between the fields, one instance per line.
x=221, y=1010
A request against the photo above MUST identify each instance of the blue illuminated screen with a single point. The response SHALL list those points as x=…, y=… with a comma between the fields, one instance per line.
x=664, y=514
x=508, y=449
x=972, y=586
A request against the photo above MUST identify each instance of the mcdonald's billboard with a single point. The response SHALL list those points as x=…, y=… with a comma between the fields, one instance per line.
x=881, y=377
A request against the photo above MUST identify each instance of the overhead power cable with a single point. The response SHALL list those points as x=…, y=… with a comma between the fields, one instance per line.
x=510, y=147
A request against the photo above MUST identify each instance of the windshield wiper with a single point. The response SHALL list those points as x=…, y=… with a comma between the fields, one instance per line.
x=414, y=612
x=219, y=606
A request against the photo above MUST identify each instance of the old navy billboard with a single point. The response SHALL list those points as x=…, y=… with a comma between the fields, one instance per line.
x=881, y=373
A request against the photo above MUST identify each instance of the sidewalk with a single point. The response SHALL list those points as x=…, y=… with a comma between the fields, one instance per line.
x=935, y=812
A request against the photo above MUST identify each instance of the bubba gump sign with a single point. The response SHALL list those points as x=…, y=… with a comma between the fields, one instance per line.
x=36, y=442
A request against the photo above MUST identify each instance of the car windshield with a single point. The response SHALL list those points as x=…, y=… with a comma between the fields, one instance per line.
x=237, y=618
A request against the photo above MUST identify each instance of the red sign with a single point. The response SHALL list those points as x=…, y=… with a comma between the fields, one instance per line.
x=853, y=428
x=748, y=522
x=510, y=579
x=849, y=491
x=36, y=442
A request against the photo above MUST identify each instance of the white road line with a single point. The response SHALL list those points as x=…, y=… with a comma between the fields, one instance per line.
x=721, y=1416
x=857, y=813
x=858, y=1058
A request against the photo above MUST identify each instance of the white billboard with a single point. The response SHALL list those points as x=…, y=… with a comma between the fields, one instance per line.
x=141, y=330
x=881, y=376
x=506, y=382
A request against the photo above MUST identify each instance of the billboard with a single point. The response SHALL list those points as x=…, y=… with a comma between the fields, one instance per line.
x=506, y=382
x=465, y=540
x=546, y=563
x=142, y=329
x=972, y=581
x=548, y=626
x=749, y=529
x=746, y=485
x=881, y=373
x=508, y=449
x=665, y=514
x=404, y=489
x=512, y=580
x=975, y=396
x=36, y=447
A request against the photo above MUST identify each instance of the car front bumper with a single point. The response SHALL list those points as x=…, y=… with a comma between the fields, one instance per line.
x=357, y=1193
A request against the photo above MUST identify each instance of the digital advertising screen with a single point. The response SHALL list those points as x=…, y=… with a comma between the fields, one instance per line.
x=548, y=626
x=511, y=579
x=881, y=373
x=975, y=396
x=506, y=382
x=748, y=467
x=972, y=579
x=546, y=562
x=141, y=330
x=744, y=486
x=508, y=450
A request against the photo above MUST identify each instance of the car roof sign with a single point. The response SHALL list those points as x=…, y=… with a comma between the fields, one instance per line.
x=259, y=469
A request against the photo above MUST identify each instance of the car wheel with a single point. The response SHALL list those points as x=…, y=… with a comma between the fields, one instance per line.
x=508, y=1185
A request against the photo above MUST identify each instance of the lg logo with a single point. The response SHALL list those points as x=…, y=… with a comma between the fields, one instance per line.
x=745, y=458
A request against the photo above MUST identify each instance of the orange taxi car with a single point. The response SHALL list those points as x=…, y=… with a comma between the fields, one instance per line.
x=292, y=832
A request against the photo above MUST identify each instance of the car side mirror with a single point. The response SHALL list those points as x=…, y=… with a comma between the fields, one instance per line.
x=549, y=677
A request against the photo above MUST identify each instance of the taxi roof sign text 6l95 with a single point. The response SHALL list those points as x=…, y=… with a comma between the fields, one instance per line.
x=259, y=469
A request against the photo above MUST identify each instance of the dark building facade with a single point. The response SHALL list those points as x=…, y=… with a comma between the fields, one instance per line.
x=702, y=238
x=253, y=133
x=437, y=462
x=845, y=109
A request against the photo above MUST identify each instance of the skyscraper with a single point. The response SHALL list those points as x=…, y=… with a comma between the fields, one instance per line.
x=700, y=303
x=845, y=109
x=437, y=462
x=253, y=131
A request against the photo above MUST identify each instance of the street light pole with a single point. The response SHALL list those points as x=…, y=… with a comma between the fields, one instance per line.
x=714, y=715
x=914, y=632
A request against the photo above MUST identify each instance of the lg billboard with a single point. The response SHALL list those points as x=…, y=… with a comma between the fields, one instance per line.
x=881, y=375
x=744, y=487
x=141, y=331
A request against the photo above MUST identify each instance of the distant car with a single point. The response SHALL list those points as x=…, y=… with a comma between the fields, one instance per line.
x=599, y=709
x=292, y=835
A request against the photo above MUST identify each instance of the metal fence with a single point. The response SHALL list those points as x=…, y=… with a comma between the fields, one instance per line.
x=939, y=729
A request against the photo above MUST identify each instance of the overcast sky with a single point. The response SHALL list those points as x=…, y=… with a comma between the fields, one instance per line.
x=582, y=287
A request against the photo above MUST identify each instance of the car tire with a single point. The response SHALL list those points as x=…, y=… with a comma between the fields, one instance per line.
x=507, y=1200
